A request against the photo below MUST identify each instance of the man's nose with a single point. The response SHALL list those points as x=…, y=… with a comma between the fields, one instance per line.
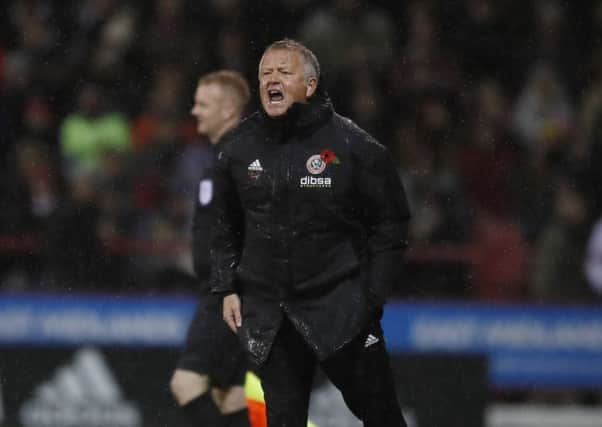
x=273, y=79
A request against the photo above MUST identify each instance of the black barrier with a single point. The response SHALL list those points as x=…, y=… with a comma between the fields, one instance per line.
x=444, y=390
x=116, y=387
x=87, y=387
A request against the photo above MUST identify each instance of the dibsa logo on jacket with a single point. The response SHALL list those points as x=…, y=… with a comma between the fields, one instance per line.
x=316, y=164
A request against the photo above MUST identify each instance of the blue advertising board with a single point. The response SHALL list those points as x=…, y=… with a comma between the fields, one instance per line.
x=526, y=345
x=62, y=320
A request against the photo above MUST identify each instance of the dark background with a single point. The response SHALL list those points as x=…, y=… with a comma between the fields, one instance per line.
x=490, y=108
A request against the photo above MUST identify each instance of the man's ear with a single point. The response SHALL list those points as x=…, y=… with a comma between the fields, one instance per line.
x=228, y=111
x=312, y=85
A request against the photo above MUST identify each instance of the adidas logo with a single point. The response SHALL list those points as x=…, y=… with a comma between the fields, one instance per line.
x=83, y=393
x=255, y=166
x=370, y=340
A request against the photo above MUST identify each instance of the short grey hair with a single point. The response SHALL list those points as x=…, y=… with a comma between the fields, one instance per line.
x=311, y=66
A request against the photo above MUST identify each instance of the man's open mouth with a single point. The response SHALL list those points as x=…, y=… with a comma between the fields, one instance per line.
x=275, y=95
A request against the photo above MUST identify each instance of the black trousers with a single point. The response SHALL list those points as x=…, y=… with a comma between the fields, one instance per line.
x=361, y=371
x=211, y=348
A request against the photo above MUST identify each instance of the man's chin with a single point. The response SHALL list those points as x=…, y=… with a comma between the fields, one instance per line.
x=275, y=111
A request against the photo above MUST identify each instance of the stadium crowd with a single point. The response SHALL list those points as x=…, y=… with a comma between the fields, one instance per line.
x=492, y=108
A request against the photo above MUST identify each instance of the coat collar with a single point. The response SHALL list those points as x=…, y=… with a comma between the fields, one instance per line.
x=300, y=119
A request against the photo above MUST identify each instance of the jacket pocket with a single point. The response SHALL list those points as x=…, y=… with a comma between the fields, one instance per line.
x=324, y=269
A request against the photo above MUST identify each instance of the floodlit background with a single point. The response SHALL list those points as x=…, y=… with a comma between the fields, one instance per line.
x=491, y=108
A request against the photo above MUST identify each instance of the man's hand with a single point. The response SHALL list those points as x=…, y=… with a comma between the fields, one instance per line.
x=231, y=312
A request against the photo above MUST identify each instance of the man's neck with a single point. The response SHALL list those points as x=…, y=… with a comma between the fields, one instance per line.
x=217, y=136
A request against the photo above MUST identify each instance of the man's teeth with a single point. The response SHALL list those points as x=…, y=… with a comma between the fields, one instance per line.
x=275, y=96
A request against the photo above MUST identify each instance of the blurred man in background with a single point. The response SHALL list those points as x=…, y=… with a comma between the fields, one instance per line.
x=208, y=382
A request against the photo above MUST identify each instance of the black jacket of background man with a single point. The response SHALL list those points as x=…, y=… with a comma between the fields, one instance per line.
x=203, y=217
x=311, y=222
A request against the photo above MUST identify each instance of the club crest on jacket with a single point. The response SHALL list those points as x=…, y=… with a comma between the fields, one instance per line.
x=315, y=165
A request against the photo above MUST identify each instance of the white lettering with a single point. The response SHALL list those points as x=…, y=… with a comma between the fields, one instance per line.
x=466, y=332
x=315, y=182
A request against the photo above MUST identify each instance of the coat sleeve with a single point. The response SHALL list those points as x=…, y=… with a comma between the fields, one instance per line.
x=226, y=236
x=385, y=215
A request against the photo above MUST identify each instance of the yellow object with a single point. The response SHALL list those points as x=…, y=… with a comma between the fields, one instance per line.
x=253, y=388
x=256, y=402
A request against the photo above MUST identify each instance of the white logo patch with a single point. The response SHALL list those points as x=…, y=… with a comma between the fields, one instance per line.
x=370, y=341
x=205, y=192
x=82, y=393
x=255, y=166
x=315, y=182
x=315, y=165
x=255, y=169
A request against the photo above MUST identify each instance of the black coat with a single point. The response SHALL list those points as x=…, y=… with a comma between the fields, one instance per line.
x=311, y=223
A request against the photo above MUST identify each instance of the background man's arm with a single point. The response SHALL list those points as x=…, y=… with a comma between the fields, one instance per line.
x=226, y=240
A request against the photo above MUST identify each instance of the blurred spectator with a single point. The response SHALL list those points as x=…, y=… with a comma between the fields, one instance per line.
x=487, y=160
x=28, y=198
x=228, y=13
x=481, y=38
x=439, y=211
x=558, y=274
x=366, y=103
x=114, y=41
x=154, y=163
x=164, y=104
x=38, y=119
x=485, y=163
x=557, y=40
x=588, y=149
x=501, y=263
x=33, y=193
x=36, y=38
x=593, y=259
x=169, y=266
x=344, y=32
x=543, y=115
x=162, y=183
x=89, y=131
x=113, y=183
x=231, y=49
x=2, y=60
x=490, y=103
x=173, y=38
x=74, y=253
x=423, y=65
x=590, y=113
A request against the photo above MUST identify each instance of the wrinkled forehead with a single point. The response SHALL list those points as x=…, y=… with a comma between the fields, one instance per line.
x=278, y=57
